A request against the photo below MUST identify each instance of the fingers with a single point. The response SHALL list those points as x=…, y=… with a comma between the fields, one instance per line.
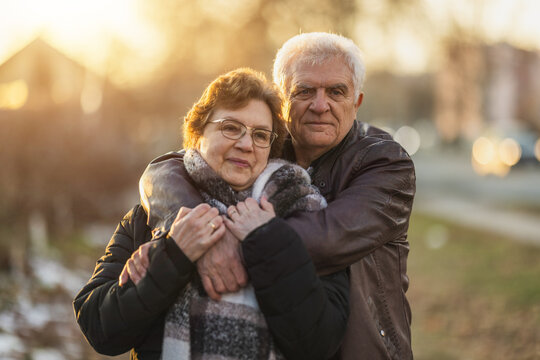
x=251, y=203
x=123, y=277
x=242, y=208
x=182, y=212
x=139, y=268
x=266, y=205
x=209, y=287
x=219, y=285
x=195, y=212
x=136, y=266
x=216, y=235
x=221, y=268
x=203, y=220
x=205, y=216
x=240, y=274
x=197, y=231
x=228, y=279
x=134, y=274
x=143, y=255
x=215, y=222
x=232, y=212
x=228, y=223
x=247, y=206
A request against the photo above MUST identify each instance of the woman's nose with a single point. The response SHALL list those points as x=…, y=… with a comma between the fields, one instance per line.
x=245, y=142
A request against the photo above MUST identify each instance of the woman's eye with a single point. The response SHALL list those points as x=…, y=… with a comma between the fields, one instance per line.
x=261, y=135
x=231, y=128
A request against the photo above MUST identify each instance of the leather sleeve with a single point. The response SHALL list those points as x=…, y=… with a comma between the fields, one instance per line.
x=370, y=206
x=116, y=319
x=164, y=187
x=306, y=315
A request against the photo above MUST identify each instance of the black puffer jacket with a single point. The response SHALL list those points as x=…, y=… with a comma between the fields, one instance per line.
x=369, y=182
x=116, y=319
x=307, y=315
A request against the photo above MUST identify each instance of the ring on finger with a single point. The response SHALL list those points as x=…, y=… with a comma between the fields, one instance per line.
x=212, y=225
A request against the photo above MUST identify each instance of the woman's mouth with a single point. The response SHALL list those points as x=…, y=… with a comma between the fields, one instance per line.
x=239, y=162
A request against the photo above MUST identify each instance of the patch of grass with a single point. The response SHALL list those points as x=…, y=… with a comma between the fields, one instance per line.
x=474, y=295
x=76, y=251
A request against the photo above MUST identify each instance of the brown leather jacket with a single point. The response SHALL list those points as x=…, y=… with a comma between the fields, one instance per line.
x=369, y=183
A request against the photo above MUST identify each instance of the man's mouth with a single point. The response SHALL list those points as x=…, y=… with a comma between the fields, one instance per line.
x=317, y=124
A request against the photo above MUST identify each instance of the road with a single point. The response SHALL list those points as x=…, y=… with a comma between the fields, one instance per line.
x=448, y=187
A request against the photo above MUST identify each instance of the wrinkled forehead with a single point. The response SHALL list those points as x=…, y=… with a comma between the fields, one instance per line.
x=322, y=73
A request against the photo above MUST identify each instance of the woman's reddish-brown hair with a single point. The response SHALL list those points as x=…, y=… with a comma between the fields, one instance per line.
x=234, y=90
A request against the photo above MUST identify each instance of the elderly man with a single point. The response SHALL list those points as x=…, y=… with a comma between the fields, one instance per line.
x=366, y=177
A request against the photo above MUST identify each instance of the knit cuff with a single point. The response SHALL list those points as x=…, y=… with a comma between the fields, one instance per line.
x=177, y=256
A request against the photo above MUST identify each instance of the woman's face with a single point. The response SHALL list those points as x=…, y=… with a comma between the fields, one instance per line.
x=238, y=162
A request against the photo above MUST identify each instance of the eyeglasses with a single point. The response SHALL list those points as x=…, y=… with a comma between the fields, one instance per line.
x=234, y=130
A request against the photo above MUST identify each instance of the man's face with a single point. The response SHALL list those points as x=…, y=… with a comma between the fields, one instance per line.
x=322, y=106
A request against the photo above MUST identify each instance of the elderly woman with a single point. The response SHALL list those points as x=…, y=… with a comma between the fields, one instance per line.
x=229, y=136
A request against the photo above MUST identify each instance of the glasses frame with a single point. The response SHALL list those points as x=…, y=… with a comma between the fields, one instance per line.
x=245, y=128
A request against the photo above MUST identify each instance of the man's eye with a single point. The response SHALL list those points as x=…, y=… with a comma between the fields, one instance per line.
x=303, y=92
x=336, y=92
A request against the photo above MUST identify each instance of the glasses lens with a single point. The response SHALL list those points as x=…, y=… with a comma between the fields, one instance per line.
x=262, y=138
x=232, y=129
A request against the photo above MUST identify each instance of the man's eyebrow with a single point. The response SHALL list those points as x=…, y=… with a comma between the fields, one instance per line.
x=340, y=86
x=302, y=86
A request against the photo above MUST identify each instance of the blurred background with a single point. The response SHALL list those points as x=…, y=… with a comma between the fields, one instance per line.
x=90, y=92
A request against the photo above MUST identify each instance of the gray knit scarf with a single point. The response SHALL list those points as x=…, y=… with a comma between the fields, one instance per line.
x=196, y=327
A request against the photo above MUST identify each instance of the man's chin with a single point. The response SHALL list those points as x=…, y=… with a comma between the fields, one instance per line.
x=320, y=139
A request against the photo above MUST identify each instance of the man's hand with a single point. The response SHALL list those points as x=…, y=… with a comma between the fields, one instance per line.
x=135, y=267
x=221, y=268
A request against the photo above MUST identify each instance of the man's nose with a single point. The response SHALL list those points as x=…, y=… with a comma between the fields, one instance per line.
x=245, y=143
x=319, y=103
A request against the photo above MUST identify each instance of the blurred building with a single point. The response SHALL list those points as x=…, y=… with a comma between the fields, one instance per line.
x=70, y=140
x=487, y=86
x=39, y=78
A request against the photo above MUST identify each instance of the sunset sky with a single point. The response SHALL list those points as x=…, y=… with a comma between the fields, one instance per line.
x=87, y=30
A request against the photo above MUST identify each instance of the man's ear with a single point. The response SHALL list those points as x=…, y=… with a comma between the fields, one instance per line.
x=359, y=101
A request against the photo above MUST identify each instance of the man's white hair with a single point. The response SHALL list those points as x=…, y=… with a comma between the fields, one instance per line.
x=316, y=48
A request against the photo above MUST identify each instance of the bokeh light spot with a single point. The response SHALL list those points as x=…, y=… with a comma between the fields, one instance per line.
x=13, y=95
x=409, y=138
x=509, y=151
x=483, y=151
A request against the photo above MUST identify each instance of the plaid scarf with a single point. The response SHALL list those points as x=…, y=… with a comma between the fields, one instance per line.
x=196, y=327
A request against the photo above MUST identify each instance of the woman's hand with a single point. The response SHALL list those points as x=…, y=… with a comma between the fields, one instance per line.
x=194, y=234
x=247, y=216
x=195, y=231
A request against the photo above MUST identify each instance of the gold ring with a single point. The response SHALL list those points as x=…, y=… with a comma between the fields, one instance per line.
x=212, y=225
